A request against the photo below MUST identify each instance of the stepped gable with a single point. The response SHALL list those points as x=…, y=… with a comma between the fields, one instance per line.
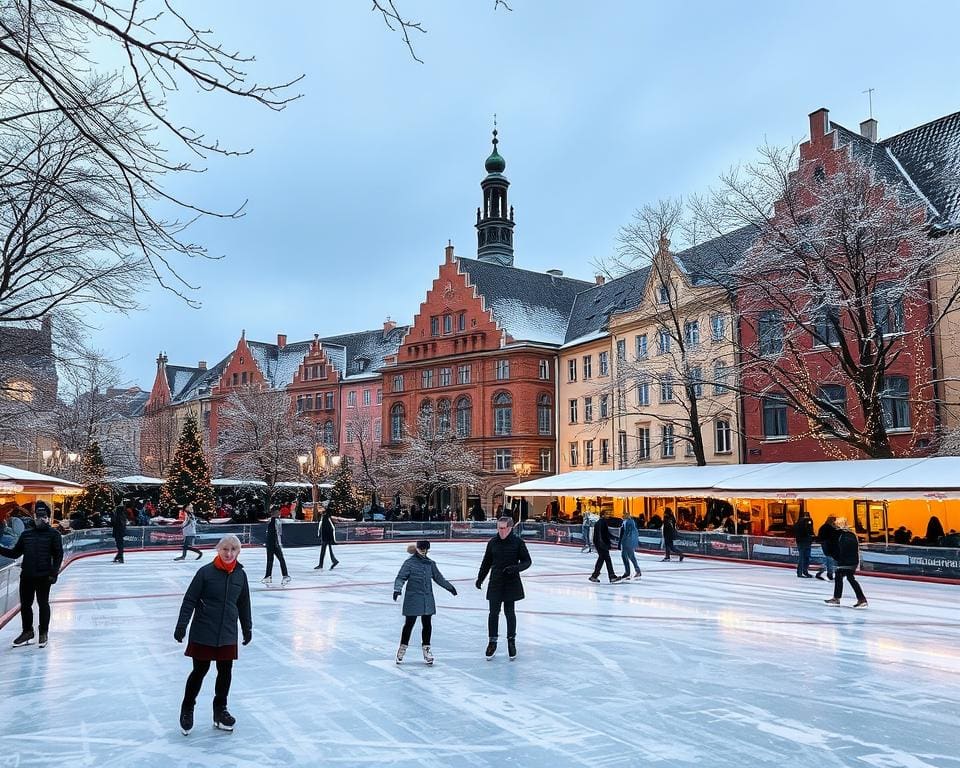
x=366, y=348
x=529, y=306
x=592, y=308
x=276, y=363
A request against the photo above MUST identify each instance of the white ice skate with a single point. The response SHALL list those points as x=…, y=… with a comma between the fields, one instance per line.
x=400, y=653
x=427, y=656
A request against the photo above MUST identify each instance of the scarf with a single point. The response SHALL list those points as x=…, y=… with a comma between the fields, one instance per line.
x=218, y=563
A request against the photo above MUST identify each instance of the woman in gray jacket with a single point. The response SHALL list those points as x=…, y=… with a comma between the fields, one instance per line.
x=419, y=572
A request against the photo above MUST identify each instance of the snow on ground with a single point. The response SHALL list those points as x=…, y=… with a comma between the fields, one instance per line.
x=701, y=663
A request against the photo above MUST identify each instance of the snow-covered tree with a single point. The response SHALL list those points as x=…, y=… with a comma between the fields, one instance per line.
x=364, y=444
x=346, y=499
x=96, y=496
x=188, y=477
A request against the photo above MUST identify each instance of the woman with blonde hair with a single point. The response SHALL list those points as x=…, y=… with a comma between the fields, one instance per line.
x=419, y=572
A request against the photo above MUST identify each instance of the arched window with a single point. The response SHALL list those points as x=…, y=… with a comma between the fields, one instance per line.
x=502, y=414
x=443, y=417
x=426, y=419
x=396, y=423
x=464, y=417
x=328, y=433
x=544, y=415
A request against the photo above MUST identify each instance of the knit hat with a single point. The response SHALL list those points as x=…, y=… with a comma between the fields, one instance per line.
x=423, y=545
x=42, y=512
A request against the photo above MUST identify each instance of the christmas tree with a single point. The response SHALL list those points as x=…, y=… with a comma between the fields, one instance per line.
x=96, y=496
x=188, y=479
x=345, y=500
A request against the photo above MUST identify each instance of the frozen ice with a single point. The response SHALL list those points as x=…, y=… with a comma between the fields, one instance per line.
x=698, y=663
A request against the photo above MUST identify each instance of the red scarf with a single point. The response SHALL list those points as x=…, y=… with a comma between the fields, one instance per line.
x=218, y=563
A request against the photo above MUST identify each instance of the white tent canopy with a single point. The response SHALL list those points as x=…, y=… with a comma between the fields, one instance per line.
x=135, y=480
x=16, y=480
x=874, y=479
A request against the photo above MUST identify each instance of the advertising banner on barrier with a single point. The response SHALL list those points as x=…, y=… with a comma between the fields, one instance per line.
x=923, y=561
x=724, y=545
x=773, y=550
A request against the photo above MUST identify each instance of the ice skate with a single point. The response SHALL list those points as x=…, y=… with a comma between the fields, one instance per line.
x=24, y=638
x=284, y=581
x=318, y=567
x=858, y=604
x=427, y=656
x=594, y=579
x=400, y=653
x=223, y=719
x=199, y=555
x=491, y=649
x=267, y=581
x=833, y=601
x=820, y=575
x=681, y=557
x=182, y=557
x=664, y=559
x=186, y=720
x=43, y=640
x=334, y=564
x=511, y=648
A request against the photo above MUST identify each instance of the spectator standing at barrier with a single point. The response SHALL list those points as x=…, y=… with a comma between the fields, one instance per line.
x=504, y=559
x=847, y=555
x=803, y=532
x=189, y=529
x=670, y=535
x=328, y=537
x=42, y=550
x=601, y=540
x=217, y=598
x=935, y=531
x=827, y=538
x=119, y=525
x=629, y=541
x=419, y=572
x=275, y=549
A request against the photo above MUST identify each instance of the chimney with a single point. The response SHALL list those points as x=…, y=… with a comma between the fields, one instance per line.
x=819, y=123
x=600, y=279
x=555, y=272
x=281, y=340
x=868, y=129
x=448, y=252
x=389, y=325
x=202, y=365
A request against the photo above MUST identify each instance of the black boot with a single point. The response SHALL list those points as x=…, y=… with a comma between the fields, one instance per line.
x=511, y=648
x=222, y=719
x=186, y=718
x=491, y=648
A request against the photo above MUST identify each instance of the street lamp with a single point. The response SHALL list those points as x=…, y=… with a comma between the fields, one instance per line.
x=522, y=469
x=58, y=460
x=314, y=466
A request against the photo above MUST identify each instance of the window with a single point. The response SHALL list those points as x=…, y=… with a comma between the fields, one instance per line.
x=235, y=379
x=396, y=423
x=621, y=350
x=888, y=309
x=445, y=377
x=663, y=294
x=398, y=383
x=604, y=361
x=447, y=325
x=425, y=422
x=243, y=377
x=434, y=326
x=351, y=399
x=663, y=342
x=464, y=417
x=426, y=378
x=720, y=373
x=443, y=417
x=643, y=443
x=544, y=370
x=718, y=327
x=573, y=411
x=588, y=409
x=366, y=397
x=350, y=434
x=604, y=451
x=688, y=443
x=318, y=401
x=588, y=453
x=377, y=430
x=572, y=369
x=826, y=328
x=622, y=447
x=463, y=374
x=621, y=401
x=328, y=399
x=299, y=403
x=587, y=367
x=667, y=447
x=308, y=402
x=722, y=437
x=503, y=370
x=834, y=400
x=573, y=454
x=775, y=416
x=462, y=322
x=502, y=414
x=544, y=415
x=696, y=381
x=306, y=372
x=896, y=406
x=546, y=460
x=323, y=371
x=770, y=332
x=604, y=406
x=503, y=460
x=328, y=434
x=379, y=397
x=691, y=333
x=641, y=344
x=643, y=391
x=666, y=388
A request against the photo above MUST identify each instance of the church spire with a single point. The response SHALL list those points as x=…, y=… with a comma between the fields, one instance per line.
x=495, y=219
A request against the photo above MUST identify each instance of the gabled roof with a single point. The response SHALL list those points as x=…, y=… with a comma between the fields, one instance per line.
x=371, y=346
x=706, y=260
x=592, y=308
x=530, y=306
x=200, y=379
x=278, y=364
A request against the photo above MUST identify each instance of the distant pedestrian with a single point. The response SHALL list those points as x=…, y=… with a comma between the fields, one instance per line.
x=601, y=540
x=189, y=529
x=119, y=524
x=42, y=550
x=847, y=555
x=670, y=535
x=328, y=537
x=586, y=529
x=629, y=540
x=419, y=572
x=217, y=598
x=505, y=557
x=827, y=538
x=803, y=532
x=275, y=549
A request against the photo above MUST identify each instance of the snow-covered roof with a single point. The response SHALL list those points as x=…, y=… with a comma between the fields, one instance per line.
x=135, y=480
x=32, y=480
x=592, y=308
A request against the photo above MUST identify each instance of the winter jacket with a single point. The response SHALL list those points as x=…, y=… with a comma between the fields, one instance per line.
x=328, y=534
x=504, y=559
x=216, y=600
x=847, y=550
x=119, y=524
x=42, y=549
x=803, y=531
x=274, y=537
x=419, y=572
x=629, y=535
x=827, y=535
x=601, y=534
x=669, y=529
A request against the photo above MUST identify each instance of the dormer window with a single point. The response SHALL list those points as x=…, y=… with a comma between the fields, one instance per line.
x=360, y=364
x=663, y=294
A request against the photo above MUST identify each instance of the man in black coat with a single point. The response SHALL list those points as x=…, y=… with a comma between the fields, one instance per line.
x=42, y=550
x=506, y=556
x=119, y=531
x=601, y=540
x=803, y=531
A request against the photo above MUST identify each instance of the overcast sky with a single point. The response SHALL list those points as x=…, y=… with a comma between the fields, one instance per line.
x=602, y=106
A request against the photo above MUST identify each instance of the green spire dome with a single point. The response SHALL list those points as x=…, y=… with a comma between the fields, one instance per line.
x=495, y=163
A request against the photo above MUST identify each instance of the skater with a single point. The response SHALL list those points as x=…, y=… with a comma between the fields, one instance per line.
x=119, y=522
x=328, y=537
x=189, y=530
x=42, y=550
x=419, y=572
x=216, y=599
x=803, y=531
x=846, y=551
x=601, y=540
x=587, y=531
x=669, y=535
x=275, y=549
x=827, y=537
x=505, y=557
x=629, y=540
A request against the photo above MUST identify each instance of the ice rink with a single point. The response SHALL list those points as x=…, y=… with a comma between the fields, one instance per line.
x=701, y=663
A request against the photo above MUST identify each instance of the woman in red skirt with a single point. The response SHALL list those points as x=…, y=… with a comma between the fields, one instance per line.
x=217, y=598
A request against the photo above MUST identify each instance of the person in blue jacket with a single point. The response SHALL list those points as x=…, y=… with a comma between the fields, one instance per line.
x=419, y=572
x=629, y=540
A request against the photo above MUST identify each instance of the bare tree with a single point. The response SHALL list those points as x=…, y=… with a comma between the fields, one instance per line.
x=159, y=435
x=367, y=469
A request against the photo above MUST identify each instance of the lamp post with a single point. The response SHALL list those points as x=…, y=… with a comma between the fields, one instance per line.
x=58, y=460
x=315, y=465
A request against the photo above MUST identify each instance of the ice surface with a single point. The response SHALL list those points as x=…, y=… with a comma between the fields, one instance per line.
x=701, y=663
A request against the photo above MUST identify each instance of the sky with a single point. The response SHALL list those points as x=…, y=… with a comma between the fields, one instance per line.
x=353, y=190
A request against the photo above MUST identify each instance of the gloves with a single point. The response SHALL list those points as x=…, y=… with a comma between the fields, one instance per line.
x=53, y=578
x=453, y=590
x=395, y=596
x=179, y=634
x=510, y=570
x=479, y=584
x=247, y=637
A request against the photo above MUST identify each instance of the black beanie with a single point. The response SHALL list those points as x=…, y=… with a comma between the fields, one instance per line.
x=423, y=545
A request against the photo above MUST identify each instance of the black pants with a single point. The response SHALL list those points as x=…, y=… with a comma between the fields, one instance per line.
x=323, y=551
x=426, y=625
x=188, y=544
x=278, y=553
x=39, y=587
x=846, y=573
x=119, y=541
x=603, y=558
x=668, y=548
x=493, y=620
x=195, y=680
